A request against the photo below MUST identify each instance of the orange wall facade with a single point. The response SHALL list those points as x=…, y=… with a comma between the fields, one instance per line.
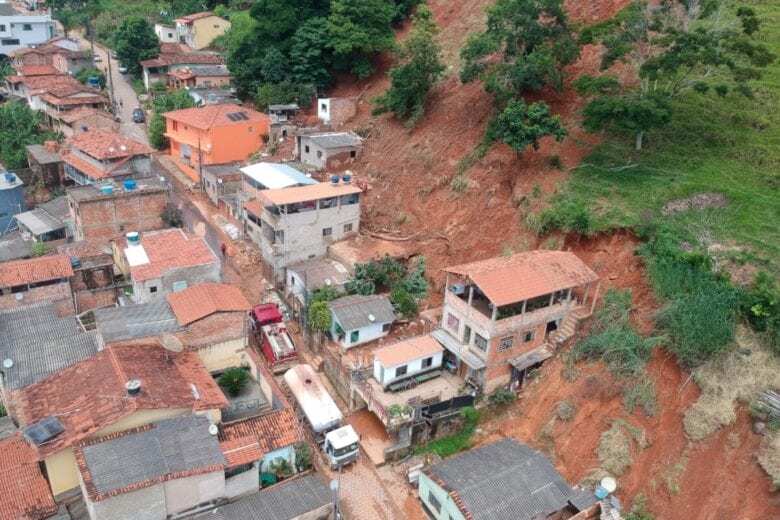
x=235, y=142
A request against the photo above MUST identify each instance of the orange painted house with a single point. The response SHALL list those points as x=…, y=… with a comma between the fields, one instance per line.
x=214, y=134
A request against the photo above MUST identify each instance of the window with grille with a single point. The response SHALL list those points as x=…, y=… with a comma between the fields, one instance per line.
x=506, y=343
x=480, y=342
x=529, y=336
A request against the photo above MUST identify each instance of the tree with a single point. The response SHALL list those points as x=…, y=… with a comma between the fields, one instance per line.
x=20, y=126
x=675, y=49
x=419, y=68
x=274, y=66
x=273, y=93
x=303, y=456
x=360, y=27
x=319, y=316
x=83, y=76
x=135, y=41
x=525, y=47
x=37, y=249
x=234, y=380
x=172, y=217
x=403, y=301
x=175, y=100
x=277, y=20
x=311, y=55
x=520, y=125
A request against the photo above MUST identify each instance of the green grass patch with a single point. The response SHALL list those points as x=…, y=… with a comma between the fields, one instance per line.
x=450, y=445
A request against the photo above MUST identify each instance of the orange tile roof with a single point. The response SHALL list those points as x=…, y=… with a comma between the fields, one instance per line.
x=195, y=16
x=199, y=301
x=83, y=166
x=254, y=206
x=67, y=100
x=173, y=48
x=318, y=191
x=90, y=396
x=24, y=493
x=34, y=270
x=242, y=440
x=408, y=350
x=519, y=277
x=102, y=144
x=37, y=70
x=170, y=249
x=213, y=116
x=76, y=114
x=184, y=58
x=35, y=83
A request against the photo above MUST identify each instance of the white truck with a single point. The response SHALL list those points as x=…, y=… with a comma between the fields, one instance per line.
x=339, y=443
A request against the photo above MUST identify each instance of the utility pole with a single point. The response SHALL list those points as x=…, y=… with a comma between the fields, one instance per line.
x=111, y=98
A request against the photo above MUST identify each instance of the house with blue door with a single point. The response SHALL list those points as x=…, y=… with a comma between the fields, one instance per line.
x=11, y=201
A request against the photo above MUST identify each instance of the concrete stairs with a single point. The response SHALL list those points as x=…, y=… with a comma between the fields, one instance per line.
x=569, y=326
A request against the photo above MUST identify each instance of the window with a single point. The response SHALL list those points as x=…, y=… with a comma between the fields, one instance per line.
x=27, y=27
x=251, y=129
x=175, y=125
x=324, y=107
x=354, y=336
x=153, y=289
x=10, y=41
x=400, y=371
x=280, y=236
x=353, y=154
x=385, y=327
x=480, y=342
x=427, y=362
x=2, y=27
x=347, y=228
x=306, y=148
x=179, y=286
x=319, y=154
x=216, y=26
x=121, y=227
x=529, y=336
x=433, y=501
x=330, y=202
x=453, y=322
x=328, y=231
x=506, y=343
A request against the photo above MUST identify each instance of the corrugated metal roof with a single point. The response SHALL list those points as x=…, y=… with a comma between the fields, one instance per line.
x=40, y=344
x=39, y=221
x=505, y=480
x=290, y=499
x=335, y=140
x=276, y=175
x=352, y=312
x=136, y=321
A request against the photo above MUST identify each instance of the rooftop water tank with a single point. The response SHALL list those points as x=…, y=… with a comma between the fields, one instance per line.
x=347, y=178
x=75, y=261
x=10, y=177
x=334, y=179
x=133, y=238
x=107, y=190
x=130, y=185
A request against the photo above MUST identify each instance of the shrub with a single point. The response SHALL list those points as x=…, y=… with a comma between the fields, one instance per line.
x=762, y=307
x=3, y=413
x=614, y=450
x=403, y=301
x=640, y=391
x=37, y=249
x=470, y=415
x=234, y=380
x=569, y=216
x=303, y=456
x=282, y=468
x=320, y=319
x=459, y=184
x=565, y=410
x=172, y=216
x=501, y=397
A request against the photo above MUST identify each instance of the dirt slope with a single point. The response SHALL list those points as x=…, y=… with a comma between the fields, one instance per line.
x=410, y=174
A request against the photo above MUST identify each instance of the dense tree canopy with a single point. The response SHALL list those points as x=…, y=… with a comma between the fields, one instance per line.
x=135, y=41
x=520, y=125
x=20, y=126
x=311, y=55
x=360, y=27
x=419, y=68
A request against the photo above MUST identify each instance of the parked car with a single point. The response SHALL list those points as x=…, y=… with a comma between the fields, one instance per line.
x=138, y=116
x=97, y=58
x=122, y=69
x=113, y=54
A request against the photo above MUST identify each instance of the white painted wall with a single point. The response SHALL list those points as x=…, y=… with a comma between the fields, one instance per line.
x=182, y=494
x=41, y=29
x=165, y=33
x=386, y=375
x=323, y=109
x=365, y=334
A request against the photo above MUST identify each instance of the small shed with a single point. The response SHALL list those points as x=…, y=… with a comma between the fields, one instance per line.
x=221, y=180
x=328, y=150
x=358, y=319
x=46, y=163
x=11, y=200
x=48, y=222
x=408, y=358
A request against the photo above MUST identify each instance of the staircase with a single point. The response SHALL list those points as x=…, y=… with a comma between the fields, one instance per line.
x=569, y=326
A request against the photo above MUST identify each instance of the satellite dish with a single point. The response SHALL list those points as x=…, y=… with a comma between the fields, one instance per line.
x=8, y=363
x=371, y=317
x=328, y=282
x=213, y=429
x=609, y=484
x=171, y=342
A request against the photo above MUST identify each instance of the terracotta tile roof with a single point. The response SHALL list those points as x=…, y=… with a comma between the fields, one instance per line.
x=199, y=301
x=318, y=191
x=244, y=439
x=65, y=89
x=90, y=396
x=408, y=350
x=35, y=270
x=213, y=116
x=41, y=83
x=526, y=275
x=173, y=48
x=24, y=493
x=68, y=100
x=184, y=58
x=102, y=144
x=37, y=70
x=254, y=206
x=77, y=114
x=170, y=249
x=196, y=16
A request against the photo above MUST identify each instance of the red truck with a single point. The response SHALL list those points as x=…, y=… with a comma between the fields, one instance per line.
x=270, y=331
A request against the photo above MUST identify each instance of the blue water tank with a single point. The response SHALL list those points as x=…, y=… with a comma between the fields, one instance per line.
x=130, y=185
x=346, y=178
x=107, y=190
x=10, y=177
x=334, y=179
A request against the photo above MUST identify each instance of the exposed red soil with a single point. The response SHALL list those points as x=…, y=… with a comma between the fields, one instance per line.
x=410, y=173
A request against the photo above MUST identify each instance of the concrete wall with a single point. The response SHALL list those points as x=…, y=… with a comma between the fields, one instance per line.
x=182, y=494
x=220, y=145
x=206, y=29
x=303, y=234
x=243, y=483
x=387, y=376
x=448, y=509
x=221, y=356
x=41, y=29
x=205, y=273
x=147, y=503
x=318, y=156
x=365, y=334
x=336, y=111
x=165, y=33
x=62, y=471
x=108, y=216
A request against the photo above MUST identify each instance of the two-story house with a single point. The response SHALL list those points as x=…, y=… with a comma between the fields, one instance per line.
x=198, y=30
x=157, y=69
x=19, y=29
x=214, y=134
x=504, y=316
x=299, y=223
x=95, y=155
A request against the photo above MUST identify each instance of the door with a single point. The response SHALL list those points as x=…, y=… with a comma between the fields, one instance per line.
x=466, y=335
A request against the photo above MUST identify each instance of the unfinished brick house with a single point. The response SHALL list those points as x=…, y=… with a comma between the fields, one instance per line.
x=336, y=111
x=108, y=209
x=504, y=316
x=92, y=283
x=37, y=280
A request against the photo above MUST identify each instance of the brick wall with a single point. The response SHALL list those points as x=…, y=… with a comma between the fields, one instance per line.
x=58, y=294
x=217, y=328
x=88, y=300
x=342, y=110
x=499, y=371
x=110, y=216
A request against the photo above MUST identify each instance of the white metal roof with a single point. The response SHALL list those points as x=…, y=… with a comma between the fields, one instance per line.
x=276, y=175
x=136, y=255
x=313, y=398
